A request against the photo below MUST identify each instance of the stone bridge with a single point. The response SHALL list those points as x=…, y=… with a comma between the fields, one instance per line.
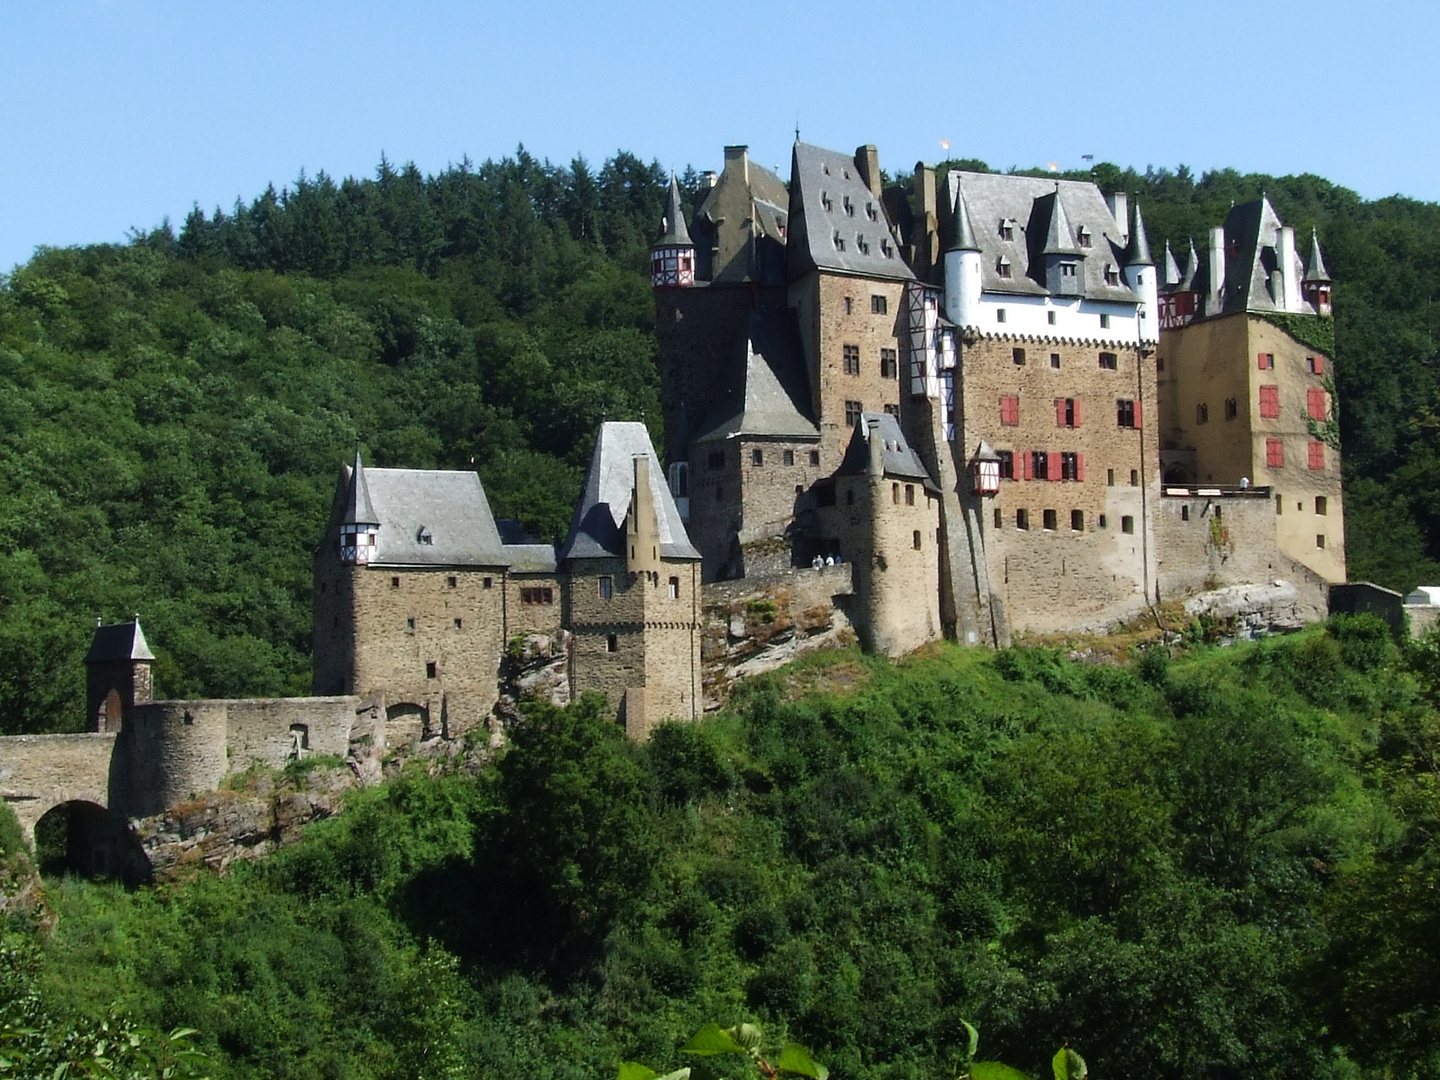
x=41, y=772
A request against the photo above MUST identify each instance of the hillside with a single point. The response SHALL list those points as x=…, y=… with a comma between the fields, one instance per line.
x=173, y=411
x=1221, y=860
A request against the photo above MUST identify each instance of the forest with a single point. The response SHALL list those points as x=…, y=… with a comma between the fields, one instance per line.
x=174, y=411
x=1208, y=862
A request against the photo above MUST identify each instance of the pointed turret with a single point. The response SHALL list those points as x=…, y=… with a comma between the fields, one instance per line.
x=1192, y=267
x=962, y=232
x=672, y=256
x=1172, y=268
x=117, y=670
x=1315, y=267
x=359, y=524
x=1138, y=252
x=1059, y=237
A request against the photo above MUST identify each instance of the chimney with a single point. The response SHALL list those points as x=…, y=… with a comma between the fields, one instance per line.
x=642, y=532
x=740, y=156
x=708, y=180
x=867, y=160
x=926, y=233
x=1288, y=298
x=1215, y=301
x=877, y=451
x=1119, y=203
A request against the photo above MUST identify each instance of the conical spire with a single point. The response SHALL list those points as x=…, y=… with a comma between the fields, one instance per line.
x=963, y=233
x=1060, y=238
x=1138, y=252
x=358, y=510
x=1172, y=268
x=676, y=234
x=1315, y=268
x=1192, y=266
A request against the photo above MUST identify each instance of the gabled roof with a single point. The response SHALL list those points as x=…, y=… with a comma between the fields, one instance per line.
x=1059, y=238
x=675, y=234
x=768, y=394
x=742, y=223
x=358, y=509
x=119, y=641
x=836, y=222
x=1251, y=254
x=1025, y=205
x=1315, y=268
x=432, y=517
x=900, y=459
x=598, y=528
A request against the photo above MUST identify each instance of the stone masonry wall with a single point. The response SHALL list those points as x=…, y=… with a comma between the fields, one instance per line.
x=39, y=772
x=261, y=730
x=594, y=619
x=523, y=618
x=1048, y=573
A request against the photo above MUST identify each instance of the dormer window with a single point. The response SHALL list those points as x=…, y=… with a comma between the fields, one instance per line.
x=848, y=205
x=1007, y=229
x=1003, y=268
x=1083, y=235
x=839, y=241
x=1067, y=270
x=825, y=201
x=871, y=212
x=861, y=245
x=1112, y=276
x=826, y=168
x=845, y=173
x=424, y=536
x=886, y=250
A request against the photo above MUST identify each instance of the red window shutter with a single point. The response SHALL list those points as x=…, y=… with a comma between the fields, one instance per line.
x=1079, y=458
x=1137, y=412
x=1077, y=412
x=1260, y=361
x=1315, y=403
x=1317, y=455
x=1269, y=402
x=1059, y=412
x=1025, y=460
x=1053, y=469
x=1275, y=453
x=1319, y=365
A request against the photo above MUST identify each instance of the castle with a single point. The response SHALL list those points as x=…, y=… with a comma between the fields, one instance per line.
x=980, y=393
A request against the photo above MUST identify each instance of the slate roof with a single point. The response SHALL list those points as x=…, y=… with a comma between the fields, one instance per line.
x=1315, y=268
x=1172, y=268
x=831, y=205
x=675, y=233
x=448, y=507
x=1251, y=255
x=900, y=458
x=119, y=641
x=768, y=394
x=531, y=558
x=598, y=528
x=758, y=207
x=962, y=229
x=358, y=508
x=1138, y=253
x=1027, y=203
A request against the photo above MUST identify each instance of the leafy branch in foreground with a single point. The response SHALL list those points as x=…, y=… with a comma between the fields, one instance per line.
x=742, y=1040
x=1066, y=1064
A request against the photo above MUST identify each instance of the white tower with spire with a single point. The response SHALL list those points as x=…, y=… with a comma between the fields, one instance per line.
x=962, y=269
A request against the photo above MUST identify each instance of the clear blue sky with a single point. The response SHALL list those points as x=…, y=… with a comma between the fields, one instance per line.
x=117, y=113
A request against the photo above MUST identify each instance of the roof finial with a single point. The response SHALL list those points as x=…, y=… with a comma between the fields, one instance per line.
x=797, y=126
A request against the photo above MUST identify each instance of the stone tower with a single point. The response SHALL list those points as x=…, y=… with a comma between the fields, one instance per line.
x=117, y=674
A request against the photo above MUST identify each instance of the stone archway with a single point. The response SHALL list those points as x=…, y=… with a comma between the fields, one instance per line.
x=84, y=838
x=41, y=772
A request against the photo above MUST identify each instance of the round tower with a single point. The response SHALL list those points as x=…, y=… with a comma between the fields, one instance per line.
x=672, y=256
x=962, y=269
x=358, y=526
x=1316, y=285
x=1140, y=275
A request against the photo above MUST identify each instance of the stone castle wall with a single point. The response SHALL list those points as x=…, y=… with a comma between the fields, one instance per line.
x=39, y=772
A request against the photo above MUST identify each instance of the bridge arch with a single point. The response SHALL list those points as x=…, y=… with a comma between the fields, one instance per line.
x=85, y=838
x=41, y=772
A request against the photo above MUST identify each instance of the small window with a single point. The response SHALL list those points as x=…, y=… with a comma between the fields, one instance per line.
x=1050, y=317
x=1007, y=464
x=893, y=410
x=1069, y=466
x=430, y=669
x=1125, y=412
x=909, y=494
x=757, y=456
x=1018, y=355
x=459, y=624
x=1007, y=230
x=1315, y=365
x=1050, y=519
x=1067, y=269
x=1202, y=413
x=1112, y=277
x=871, y=212
x=788, y=457
x=1265, y=361
x=394, y=582
x=1022, y=519
x=1109, y=477
x=889, y=363
x=847, y=206
x=1077, y=520
x=879, y=305
x=1127, y=524
x=1002, y=267
x=537, y=595
x=1184, y=511
x=410, y=623
x=487, y=582
x=1134, y=478
x=915, y=540
x=607, y=587
x=838, y=241
x=1320, y=541
x=716, y=460
x=451, y=582
x=1055, y=359
x=1083, y=235
x=674, y=588
x=1101, y=521
x=424, y=536
x=1039, y=465
x=1104, y=322
x=848, y=305
x=1232, y=408
x=1321, y=505
x=895, y=493
x=1067, y=413
x=852, y=359
x=1279, y=505
x=612, y=643
x=999, y=519
x=1000, y=314
x=1109, y=361
x=1275, y=453
x=853, y=409
x=814, y=457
